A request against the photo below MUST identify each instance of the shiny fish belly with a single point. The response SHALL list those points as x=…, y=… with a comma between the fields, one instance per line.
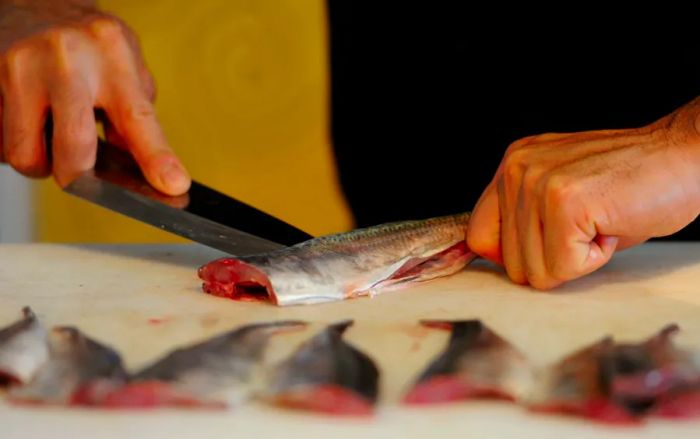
x=79, y=371
x=23, y=349
x=336, y=267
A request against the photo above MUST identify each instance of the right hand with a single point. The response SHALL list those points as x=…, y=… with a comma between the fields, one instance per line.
x=67, y=57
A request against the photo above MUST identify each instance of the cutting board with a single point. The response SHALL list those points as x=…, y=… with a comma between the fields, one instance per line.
x=144, y=300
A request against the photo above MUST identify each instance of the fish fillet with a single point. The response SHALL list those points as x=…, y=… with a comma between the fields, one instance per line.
x=328, y=375
x=216, y=373
x=476, y=363
x=336, y=267
x=23, y=349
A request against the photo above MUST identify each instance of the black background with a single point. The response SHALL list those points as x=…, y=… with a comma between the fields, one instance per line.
x=425, y=99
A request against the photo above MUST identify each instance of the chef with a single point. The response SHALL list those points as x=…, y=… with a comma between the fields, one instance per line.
x=434, y=103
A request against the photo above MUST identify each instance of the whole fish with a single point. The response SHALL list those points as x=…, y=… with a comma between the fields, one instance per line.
x=215, y=373
x=326, y=374
x=476, y=363
x=23, y=349
x=336, y=267
x=78, y=371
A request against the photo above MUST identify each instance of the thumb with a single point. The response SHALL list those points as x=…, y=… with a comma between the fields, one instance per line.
x=600, y=252
x=484, y=231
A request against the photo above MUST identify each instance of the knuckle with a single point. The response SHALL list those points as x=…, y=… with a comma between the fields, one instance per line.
x=514, y=164
x=560, y=190
x=61, y=39
x=546, y=137
x=520, y=143
x=531, y=178
x=107, y=29
x=14, y=62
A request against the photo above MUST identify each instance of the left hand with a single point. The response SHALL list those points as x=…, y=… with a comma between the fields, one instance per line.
x=560, y=205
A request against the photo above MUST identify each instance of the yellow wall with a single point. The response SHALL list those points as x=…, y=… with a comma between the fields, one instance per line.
x=243, y=96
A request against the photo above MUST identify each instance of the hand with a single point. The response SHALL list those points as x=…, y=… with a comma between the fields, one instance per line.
x=67, y=57
x=561, y=204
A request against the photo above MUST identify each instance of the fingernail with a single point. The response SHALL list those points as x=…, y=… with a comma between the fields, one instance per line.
x=174, y=178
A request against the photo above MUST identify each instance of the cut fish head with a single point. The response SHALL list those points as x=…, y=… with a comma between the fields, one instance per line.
x=23, y=349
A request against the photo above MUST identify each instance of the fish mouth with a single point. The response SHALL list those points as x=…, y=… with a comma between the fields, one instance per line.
x=234, y=279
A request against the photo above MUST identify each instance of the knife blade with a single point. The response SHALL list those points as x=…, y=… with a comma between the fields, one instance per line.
x=202, y=214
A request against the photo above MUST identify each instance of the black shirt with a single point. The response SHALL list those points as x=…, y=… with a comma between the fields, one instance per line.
x=425, y=101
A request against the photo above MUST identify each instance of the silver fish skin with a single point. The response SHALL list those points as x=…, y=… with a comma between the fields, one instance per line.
x=325, y=369
x=75, y=363
x=225, y=368
x=360, y=262
x=23, y=349
x=475, y=363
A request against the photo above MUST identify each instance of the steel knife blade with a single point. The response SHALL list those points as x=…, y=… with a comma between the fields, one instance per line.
x=202, y=214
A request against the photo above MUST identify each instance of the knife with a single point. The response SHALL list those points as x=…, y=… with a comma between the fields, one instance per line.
x=202, y=214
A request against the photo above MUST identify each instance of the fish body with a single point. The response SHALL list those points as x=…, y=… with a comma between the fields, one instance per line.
x=336, y=267
x=326, y=374
x=621, y=382
x=476, y=363
x=218, y=372
x=23, y=349
x=78, y=370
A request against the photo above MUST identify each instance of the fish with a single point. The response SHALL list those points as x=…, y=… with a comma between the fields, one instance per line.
x=575, y=386
x=475, y=363
x=79, y=371
x=622, y=382
x=216, y=373
x=641, y=377
x=23, y=349
x=362, y=262
x=326, y=375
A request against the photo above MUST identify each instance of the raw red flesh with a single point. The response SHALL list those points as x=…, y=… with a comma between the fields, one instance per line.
x=152, y=394
x=600, y=410
x=330, y=399
x=681, y=406
x=444, y=388
x=237, y=280
x=7, y=379
x=638, y=386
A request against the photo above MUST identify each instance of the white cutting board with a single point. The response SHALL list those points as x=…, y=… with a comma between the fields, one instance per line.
x=144, y=300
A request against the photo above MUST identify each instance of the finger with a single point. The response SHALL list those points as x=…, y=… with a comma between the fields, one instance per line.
x=484, y=232
x=573, y=246
x=2, y=155
x=24, y=116
x=133, y=116
x=625, y=242
x=531, y=236
x=510, y=246
x=74, y=132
